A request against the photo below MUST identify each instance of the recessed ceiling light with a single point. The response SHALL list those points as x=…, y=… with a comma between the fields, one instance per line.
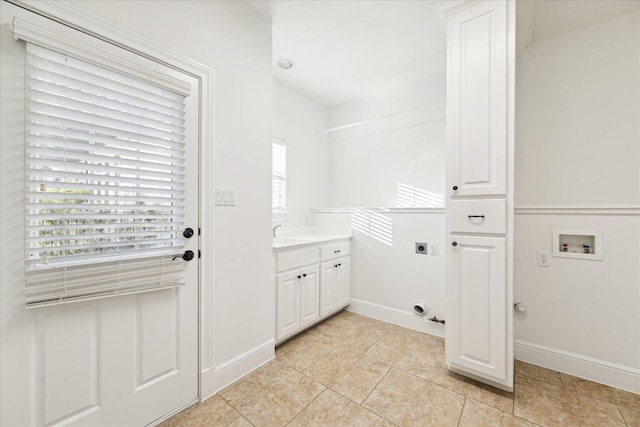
x=285, y=64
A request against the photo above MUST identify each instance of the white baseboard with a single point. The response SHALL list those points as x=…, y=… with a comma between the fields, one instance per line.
x=397, y=317
x=240, y=366
x=207, y=383
x=595, y=370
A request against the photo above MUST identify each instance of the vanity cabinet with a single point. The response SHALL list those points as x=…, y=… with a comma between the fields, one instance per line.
x=312, y=283
x=480, y=94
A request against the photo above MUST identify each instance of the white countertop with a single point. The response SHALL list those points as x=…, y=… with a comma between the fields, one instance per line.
x=285, y=242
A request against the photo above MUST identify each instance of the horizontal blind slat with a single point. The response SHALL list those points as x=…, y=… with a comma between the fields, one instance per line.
x=35, y=120
x=87, y=188
x=96, y=259
x=89, y=297
x=55, y=206
x=158, y=238
x=102, y=181
x=95, y=107
x=56, y=63
x=110, y=99
x=90, y=227
x=121, y=199
x=81, y=164
x=88, y=278
x=55, y=139
x=64, y=117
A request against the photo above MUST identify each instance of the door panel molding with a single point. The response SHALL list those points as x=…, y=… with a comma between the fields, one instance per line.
x=67, y=357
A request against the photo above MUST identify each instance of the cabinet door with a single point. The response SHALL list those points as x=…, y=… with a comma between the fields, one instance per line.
x=287, y=304
x=477, y=306
x=477, y=99
x=328, y=278
x=309, y=296
x=343, y=282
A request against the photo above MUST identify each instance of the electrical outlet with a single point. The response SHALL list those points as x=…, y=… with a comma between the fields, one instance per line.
x=543, y=259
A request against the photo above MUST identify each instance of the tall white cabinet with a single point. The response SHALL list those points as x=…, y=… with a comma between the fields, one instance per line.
x=480, y=94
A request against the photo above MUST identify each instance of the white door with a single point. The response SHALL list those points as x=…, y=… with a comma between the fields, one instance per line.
x=328, y=287
x=343, y=282
x=126, y=360
x=309, y=296
x=476, y=332
x=287, y=303
x=477, y=101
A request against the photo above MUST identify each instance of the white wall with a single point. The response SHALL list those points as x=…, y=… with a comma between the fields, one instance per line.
x=370, y=163
x=231, y=39
x=392, y=160
x=578, y=144
x=297, y=119
x=577, y=113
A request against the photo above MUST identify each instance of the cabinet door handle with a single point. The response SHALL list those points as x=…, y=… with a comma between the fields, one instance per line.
x=339, y=265
x=336, y=265
x=475, y=216
x=299, y=277
x=455, y=187
x=304, y=275
x=336, y=252
x=454, y=243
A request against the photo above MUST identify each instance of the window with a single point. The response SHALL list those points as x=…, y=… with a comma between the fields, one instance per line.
x=279, y=175
x=104, y=169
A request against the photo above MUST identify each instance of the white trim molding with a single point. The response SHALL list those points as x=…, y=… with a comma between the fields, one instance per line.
x=60, y=38
x=632, y=209
x=397, y=317
x=410, y=117
x=239, y=366
x=448, y=7
x=577, y=365
x=351, y=209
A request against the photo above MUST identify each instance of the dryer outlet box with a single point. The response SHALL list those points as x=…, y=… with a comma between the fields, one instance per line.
x=421, y=248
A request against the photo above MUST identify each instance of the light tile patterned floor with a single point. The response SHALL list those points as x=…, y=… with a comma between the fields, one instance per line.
x=352, y=370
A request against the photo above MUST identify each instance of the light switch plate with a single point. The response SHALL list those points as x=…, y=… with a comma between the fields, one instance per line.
x=224, y=197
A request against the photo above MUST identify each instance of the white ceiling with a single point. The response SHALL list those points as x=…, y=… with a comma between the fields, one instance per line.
x=348, y=49
x=542, y=19
x=344, y=50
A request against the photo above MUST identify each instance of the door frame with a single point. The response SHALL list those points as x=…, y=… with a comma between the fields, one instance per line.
x=80, y=20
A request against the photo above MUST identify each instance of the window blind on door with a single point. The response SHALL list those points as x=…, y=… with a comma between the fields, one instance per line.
x=104, y=178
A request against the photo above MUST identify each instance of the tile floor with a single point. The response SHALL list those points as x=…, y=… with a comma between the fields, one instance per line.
x=352, y=370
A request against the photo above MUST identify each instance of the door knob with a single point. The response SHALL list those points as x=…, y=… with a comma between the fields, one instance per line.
x=187, y=256
x=188, y=233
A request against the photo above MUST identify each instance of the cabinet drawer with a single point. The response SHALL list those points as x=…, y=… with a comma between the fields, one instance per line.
x=478, y=216
x=297, y=258
x=335, y=250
